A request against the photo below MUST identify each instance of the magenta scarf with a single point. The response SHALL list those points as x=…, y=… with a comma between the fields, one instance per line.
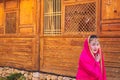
x=88, y=68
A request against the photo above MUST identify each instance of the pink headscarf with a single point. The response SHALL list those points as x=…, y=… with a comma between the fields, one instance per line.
x=88, y=68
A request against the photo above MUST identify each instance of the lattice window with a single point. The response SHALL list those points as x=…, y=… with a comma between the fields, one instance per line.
x=10, y=22
x=80, y=18
x=52, y=17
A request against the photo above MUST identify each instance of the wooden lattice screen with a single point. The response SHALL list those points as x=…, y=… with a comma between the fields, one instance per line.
x=80, y=18
x=10, y=22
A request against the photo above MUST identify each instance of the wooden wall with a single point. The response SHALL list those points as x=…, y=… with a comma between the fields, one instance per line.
x=28, y=48
x=111, y=51
x=18, y=42
x=60, y=54
x=18, y=52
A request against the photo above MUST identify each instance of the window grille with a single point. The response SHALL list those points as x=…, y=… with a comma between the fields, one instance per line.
x=80, y=18
x=52, y=17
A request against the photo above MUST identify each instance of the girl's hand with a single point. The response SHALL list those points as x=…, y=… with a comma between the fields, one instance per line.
x=97, y=57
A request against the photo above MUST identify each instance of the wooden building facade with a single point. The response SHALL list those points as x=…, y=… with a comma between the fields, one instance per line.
x=47, y=35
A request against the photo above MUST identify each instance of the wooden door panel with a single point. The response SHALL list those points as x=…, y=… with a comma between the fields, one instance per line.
x=26, y=12
x=110, y=9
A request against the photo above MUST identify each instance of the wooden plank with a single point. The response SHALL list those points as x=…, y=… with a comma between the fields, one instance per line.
x=63, y=41
x=111, y=27
x=85, y=0
x=69, y=1
x=61, y=55
x=18, y=51
x=60, y=50
x=27, y=30
x=113, y=73
x=110, y=45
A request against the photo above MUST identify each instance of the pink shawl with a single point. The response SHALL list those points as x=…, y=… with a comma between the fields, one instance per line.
x=88, y=68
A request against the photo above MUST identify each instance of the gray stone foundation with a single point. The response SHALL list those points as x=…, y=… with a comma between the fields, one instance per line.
x=5, y=71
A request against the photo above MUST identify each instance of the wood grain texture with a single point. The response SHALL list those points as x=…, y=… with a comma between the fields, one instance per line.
x=10, y=4
x=1, y=13
x=18, y=52
x=110, y=18
x=61, y=55
x=27, y=11
x=110, y=9
x=29, y=49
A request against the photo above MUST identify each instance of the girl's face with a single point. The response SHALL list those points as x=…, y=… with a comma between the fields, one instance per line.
x=94, y=45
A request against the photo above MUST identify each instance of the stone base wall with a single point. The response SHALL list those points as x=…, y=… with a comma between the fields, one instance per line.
x=5, y=71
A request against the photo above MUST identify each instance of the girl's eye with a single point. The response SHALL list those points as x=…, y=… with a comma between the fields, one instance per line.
x=97, y=44
x=93, y=44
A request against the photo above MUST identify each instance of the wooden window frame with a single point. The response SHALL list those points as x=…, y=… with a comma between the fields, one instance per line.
x=11, y=10
x=42, y=19
x=78, y=34
x=16, y=23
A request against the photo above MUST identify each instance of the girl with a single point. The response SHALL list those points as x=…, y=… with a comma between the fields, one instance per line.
x=91, y=62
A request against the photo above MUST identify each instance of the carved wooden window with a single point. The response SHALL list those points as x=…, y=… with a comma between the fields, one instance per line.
x=52, y=17
x=10, y=22
x=80, y=18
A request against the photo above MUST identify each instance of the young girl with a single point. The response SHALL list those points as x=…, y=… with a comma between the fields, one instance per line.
x=91, y=62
